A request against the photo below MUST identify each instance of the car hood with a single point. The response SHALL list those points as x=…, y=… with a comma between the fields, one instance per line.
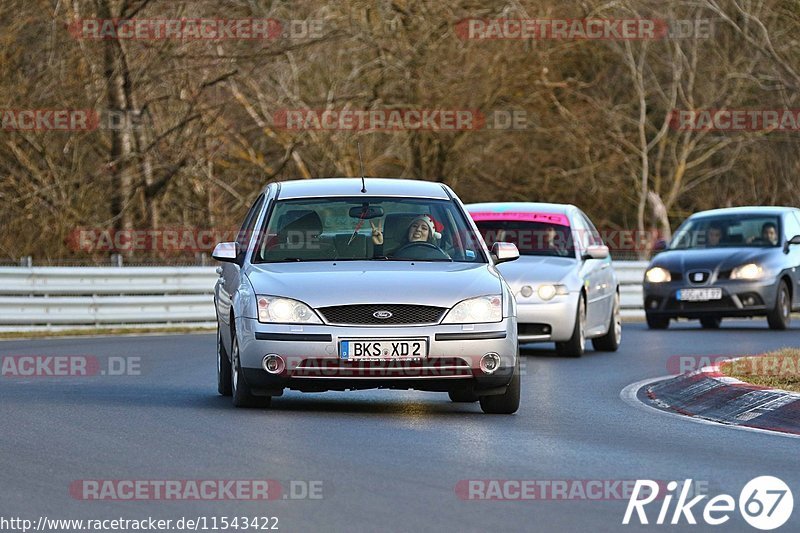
x=322, y=284
x=714, y=259
x=530, y=269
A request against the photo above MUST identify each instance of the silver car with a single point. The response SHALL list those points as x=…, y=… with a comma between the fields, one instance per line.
x=343, y=284
x=565, y=286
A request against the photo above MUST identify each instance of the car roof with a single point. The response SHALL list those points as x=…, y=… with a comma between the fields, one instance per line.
x=317, y=187
x=745, y=210
x=520, y=207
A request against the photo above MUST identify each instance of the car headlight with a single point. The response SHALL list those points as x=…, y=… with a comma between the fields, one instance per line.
x=748, y=271
x=548, y=292
x=277, y=310
x=476, y=310
x=658, y=275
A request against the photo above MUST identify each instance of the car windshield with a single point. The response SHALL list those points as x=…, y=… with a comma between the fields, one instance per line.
x=545, y=238
x=727, y=231
x=367, y=228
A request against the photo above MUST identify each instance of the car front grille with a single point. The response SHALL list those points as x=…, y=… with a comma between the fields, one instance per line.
x=393, y=315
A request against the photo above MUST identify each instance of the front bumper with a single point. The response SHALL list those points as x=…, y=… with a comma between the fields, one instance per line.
x=312, y=363
x=540, y=321
x=739, y=299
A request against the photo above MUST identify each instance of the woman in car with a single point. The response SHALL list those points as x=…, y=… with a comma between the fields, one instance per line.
x=421, y=230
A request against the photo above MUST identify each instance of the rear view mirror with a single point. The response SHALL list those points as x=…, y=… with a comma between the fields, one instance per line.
x=503, y=252
x=660, y=245
x=366, y=212
x=596, y=251
x=227, y=252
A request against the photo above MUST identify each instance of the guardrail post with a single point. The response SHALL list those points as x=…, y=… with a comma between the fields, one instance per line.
x=26, y=262
x=116, y=260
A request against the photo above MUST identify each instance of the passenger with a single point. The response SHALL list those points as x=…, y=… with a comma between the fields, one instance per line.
x=713, y=235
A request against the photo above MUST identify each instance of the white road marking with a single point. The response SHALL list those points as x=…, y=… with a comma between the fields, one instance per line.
x=628, y=395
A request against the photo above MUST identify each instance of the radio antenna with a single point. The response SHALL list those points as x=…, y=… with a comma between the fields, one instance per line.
x=363, y=181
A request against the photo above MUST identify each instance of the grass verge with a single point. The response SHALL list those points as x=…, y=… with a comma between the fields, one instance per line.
x=779, y=370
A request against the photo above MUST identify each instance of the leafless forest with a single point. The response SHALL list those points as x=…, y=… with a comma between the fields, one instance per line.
x=187, y=134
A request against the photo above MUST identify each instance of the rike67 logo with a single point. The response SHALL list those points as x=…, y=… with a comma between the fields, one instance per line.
x=765, y=503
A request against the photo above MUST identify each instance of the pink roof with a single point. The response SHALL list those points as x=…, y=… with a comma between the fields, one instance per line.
x=552, y=218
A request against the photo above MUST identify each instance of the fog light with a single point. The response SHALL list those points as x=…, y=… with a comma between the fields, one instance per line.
x=526, y=291
x=273, y=364
x=489, y=363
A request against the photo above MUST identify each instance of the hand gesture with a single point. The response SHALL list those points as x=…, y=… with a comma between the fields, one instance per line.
x=377, y=232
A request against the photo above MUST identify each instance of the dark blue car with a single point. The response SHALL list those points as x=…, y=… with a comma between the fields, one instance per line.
x=735, y=262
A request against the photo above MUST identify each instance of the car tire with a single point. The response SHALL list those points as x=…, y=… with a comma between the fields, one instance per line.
x=242, y=396
x=576, y=345
x=611, y=340
x=224, y=385
x=656, y=322
x=712, y=322
x=460, y=396
x=506, y=403
x=780, y=316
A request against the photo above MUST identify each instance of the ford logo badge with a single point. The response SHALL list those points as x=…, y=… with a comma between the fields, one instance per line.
x=382, y=314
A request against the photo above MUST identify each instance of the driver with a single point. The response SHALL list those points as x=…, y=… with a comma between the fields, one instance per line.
x=769, y=233
x=421, y=229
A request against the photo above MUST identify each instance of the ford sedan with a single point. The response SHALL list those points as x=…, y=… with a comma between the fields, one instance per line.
x=344, y=284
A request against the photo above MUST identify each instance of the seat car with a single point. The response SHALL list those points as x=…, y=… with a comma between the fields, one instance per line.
x=564, y=283
x=734, y=262
x=344, y=284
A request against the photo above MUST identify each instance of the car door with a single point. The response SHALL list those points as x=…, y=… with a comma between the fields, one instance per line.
x=230, y=273
x=591, y=272
x=791, y=227
x=605, y=275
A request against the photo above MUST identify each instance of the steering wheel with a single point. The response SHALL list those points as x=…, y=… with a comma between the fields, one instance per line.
x=420, y=250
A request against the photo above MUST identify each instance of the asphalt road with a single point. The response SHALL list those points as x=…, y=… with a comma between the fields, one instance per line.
x=387, y=460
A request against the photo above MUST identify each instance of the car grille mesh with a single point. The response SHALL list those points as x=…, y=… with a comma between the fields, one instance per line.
x=364, y=315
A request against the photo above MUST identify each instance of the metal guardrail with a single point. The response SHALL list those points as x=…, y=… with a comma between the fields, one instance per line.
x=52, y=298
x=74, y=298
x=631, y=276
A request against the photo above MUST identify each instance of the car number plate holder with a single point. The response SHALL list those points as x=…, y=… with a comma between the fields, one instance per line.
x=699, y=295
x=382, y=349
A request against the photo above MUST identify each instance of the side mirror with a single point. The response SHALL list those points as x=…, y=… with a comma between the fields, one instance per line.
x=227, y=252
x=660, y=245
x=793, y=240
x=598, y=251
x=503, y=252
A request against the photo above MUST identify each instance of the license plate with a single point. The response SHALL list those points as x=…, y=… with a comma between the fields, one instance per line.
x=699, y=295
x=383, y=350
